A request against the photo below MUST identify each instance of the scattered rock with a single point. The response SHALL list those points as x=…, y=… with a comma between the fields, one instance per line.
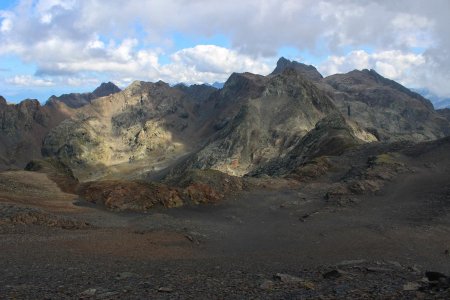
x=308, y=285
x=305, y=216
x=415, y=269
x=125, y=275
x=378, y=269
x=192, y=239
x=333, y=274
x=411, y=286
x=11, y=214
x=350, y=262
x=395, y=263
x=106, y=295
x=89, y=292
x=267, y=285
x=165, y=290
x=434, y=276
x=120, y=195
x=145, y=284
x=286, y=278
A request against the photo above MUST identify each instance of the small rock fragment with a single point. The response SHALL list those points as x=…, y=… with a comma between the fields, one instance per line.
x=89, y=292
x=267, y=285
x=378, y=269
x=414, y=269
x=106, y=295
x=191, y=239
x=286, y=278
x=350, y=262
x=125, y=275
x=308, y=285
x=395, y=263
x=165, y=290
x=411, y=286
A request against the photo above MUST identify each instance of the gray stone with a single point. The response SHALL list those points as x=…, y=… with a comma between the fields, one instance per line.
x=267, y=285
x=286, y=278
x=89, y=292
x=165, y=290
x=411, y=286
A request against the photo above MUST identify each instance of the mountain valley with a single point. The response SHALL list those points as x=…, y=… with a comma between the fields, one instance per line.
x=290, y=185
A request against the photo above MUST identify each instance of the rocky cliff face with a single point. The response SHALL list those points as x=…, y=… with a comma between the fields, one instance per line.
x=76, y=100
x=148, y=125
x=278, y=112
x=384, y=107
x=331, y=136
x=22, y=129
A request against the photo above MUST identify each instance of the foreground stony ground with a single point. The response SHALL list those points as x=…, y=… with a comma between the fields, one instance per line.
x=264, y=246
x=105, y=278
x=388, y=238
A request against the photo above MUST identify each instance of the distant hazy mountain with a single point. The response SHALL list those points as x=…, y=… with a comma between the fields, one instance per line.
x=23, y=126
x=218, y=85
x=438, y=102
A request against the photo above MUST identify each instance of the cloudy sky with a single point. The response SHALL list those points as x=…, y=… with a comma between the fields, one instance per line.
x=55, y=46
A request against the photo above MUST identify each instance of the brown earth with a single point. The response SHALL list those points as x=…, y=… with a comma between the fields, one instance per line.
x=270, y=243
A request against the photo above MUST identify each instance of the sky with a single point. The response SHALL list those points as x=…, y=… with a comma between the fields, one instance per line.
x=50, y=47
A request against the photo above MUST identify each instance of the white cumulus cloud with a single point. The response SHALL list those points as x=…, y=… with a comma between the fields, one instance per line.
x=27, y=80
x=409, y=39
x=209, y=63
x=393, y=64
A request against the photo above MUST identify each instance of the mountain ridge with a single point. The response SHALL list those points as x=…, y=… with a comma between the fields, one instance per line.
x=252, y=120
x=77, y=100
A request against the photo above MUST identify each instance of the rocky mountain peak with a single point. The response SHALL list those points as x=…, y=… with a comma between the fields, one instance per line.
x=241, y=77
x=308, y=71
x=105, y=89
x=138, y=85
x=372, y=77
x=243, y=85
x=135, y=87
x=29, y=104
x=77, y=100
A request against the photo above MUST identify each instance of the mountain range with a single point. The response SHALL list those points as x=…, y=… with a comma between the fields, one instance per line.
x=254, y=126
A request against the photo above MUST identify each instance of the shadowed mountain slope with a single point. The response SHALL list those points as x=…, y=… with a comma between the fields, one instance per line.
x=384, y=107
x=23, y=127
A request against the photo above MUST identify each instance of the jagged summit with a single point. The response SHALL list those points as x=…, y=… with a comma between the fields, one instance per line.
x=308, y=71
x=77, y=100
x=106, y=89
